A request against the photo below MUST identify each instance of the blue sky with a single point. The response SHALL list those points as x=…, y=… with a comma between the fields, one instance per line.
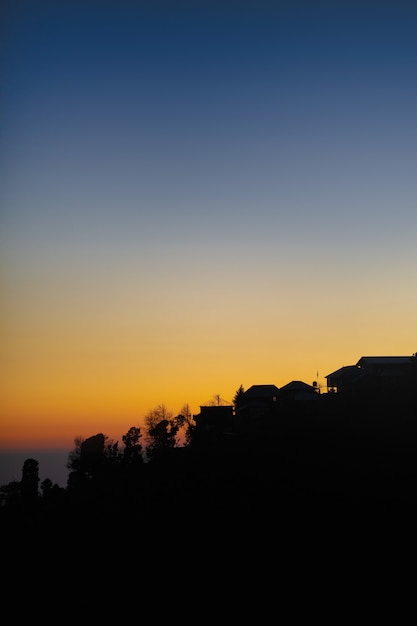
x=207, y=116
x=177, y=177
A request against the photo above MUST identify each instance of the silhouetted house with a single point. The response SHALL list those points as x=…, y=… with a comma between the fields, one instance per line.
x=298, y=391
x=213, y=422
x=371, y=374
x=258, y=401
x=387, y=367
x=344, y=379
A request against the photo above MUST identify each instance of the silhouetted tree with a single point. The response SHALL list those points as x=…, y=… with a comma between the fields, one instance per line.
x=132, y=447
x=97, y=472
x=52, y=494
x=85, y=459
x=132, y=465
x=92, y=453
x=156, y=415
x=74, y=457
x=10, y=494
x=46, y=486
x=162, y=430
x=112, y=455
x=238, y=397
x=184, y=416
x=163, y=435
x=185, y=421
x=30, y=482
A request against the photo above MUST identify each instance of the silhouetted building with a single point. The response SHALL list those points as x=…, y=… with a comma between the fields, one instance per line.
x=371, y=374
x=298, y=391
x=257, y=402
x=343, y=379
x=214, y=421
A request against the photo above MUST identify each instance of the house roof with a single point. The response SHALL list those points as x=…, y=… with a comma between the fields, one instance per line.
x=262, y=391
x=383, y=360
x=346, y=370
x=297, y=385
x=351, y=370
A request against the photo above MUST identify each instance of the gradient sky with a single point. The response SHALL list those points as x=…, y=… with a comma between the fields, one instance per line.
x=197, y=197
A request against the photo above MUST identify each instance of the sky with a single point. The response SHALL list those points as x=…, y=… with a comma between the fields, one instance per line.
x=197, y=196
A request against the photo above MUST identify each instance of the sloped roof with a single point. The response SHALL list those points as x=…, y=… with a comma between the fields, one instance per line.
x=383, y=360
x=262, y=391
x=346, y=370
x=351, y=370
x=297, y=385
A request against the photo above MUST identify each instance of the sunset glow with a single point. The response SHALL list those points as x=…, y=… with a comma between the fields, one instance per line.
x=198, y=200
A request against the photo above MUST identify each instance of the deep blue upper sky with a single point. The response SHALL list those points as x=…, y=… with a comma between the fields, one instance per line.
x=285, y=98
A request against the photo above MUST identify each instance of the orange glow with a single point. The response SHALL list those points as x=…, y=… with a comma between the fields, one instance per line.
x=49, y=403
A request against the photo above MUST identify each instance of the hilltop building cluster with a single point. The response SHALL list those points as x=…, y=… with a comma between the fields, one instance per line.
x=371, y=378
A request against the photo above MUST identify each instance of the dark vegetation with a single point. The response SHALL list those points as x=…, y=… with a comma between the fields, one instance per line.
x=307, y=470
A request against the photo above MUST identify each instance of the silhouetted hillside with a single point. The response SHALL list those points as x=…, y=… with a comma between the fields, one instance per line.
x=333, y=457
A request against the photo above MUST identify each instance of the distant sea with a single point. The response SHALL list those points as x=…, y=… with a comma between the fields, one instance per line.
x=52, y=464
